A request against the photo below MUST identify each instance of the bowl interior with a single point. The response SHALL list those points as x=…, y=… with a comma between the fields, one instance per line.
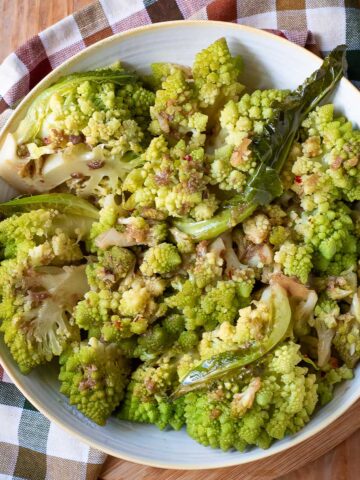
x=269, y=62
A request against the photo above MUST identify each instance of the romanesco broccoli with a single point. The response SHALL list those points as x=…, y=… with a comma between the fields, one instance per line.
x=36, y=310
x=162, y=259
x=147, y=396
x=238, y=412
x=94, y=375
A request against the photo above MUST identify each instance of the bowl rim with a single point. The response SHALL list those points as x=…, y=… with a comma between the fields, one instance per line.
x=11, y=370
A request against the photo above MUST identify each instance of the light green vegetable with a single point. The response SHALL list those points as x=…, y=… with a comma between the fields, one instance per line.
x=227, y=362
x=36, y=309
x=254, y=409
x=63, y=202
x=271, y=149
x=93, y=375
x=192, y=258
x=65, y=87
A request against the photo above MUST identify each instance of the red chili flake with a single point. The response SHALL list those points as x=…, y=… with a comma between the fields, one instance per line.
x=334, y=362
x=188, y=158
x=298, y=179
x=46, y=140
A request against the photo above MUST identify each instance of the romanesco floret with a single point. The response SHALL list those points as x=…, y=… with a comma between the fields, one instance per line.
x=108, y=215
x=167, y=333
x=120, y=311
x=340, y=149
x=94, y=375
x=253, y=325
x=328, y=232
x=257, y=228
x=239, y=412
x=184, y=243
x=36, y=310
x=327, y=382
x=249, y=115
x=172, y=181
x=84, y=135
x=163, y=259
x=176, y=110
x=343, y=260
x=138, y=100
x=232, y=162
x=208, y=264
x=347, y=339
x=295, y=260
x=112, y=266
x=119, y=137
x=115, y=229
x=217, y=304
x=147, y=396
x=43, y=237
x=347, y=334
x=216, y=75
x=222, y=172
x=159, y=337
x=98, y=113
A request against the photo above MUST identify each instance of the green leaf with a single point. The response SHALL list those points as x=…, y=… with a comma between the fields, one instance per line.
x=310, y=362
x=65, y=86
x=272, y=147
x=63, y=202
x=226, y=219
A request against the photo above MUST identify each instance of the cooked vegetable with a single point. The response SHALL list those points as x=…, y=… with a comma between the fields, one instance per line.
x=63, y=202
x=271, y=149
x=254, y=410
x=85, y=131
x=65, y=87
x=146, y=398
x=278, y=316
x=94, y=375
x=127, y=267
x=36, y=310
x=43, y=237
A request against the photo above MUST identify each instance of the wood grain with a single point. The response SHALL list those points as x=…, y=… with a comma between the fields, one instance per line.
x=19, y=20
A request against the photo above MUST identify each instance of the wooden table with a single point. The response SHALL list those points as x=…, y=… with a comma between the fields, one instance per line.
x=19, y=20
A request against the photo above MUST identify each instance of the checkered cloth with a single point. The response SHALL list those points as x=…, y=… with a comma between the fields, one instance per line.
x=31, y=447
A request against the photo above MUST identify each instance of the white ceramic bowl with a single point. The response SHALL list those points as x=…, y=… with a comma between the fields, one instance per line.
x=270, y=61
